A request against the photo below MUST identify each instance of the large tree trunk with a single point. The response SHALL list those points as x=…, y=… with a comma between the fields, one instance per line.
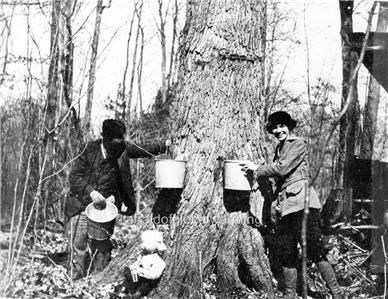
x=219, y=109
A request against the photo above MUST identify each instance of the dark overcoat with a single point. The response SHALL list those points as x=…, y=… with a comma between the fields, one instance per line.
x=84, y=175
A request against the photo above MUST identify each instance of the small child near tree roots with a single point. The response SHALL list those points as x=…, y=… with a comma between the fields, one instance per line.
x=143, y=275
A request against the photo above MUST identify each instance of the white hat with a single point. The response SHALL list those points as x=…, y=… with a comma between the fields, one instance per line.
x=101, y=216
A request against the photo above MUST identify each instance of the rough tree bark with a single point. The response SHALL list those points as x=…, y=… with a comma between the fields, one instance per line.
x=219, y=106
x=372, y=104
x=219, y=109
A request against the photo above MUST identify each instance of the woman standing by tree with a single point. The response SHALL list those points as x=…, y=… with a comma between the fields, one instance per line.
x=290, y=170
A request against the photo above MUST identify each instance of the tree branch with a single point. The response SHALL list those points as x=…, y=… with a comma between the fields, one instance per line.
x=349, y=95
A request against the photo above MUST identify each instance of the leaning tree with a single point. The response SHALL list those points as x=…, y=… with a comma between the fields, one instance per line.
x=219, y=115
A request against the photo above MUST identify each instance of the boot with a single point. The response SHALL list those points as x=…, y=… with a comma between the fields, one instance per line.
x=330, y=278
x=290, y=279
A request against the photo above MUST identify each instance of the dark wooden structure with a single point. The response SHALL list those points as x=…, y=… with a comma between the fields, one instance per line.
x=365, y=180
x=376, y=54
x=370, y=190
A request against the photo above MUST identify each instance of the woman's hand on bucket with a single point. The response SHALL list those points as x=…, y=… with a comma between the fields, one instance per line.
x=248, y=166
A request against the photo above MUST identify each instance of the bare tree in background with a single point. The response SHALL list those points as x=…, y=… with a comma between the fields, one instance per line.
x=161, y=23
x=349, y=123
x=53, y=74
x=373, y=97
x=139, y=12
x=173, y=59
x=92, y=69
x=60, y=76
x=5, y=38
x=139, y=104
x=33, y=155
x=162, y=36
x=121, y=98
x=140, y=72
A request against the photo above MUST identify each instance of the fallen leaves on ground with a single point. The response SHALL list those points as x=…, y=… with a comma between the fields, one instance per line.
x=42, y=274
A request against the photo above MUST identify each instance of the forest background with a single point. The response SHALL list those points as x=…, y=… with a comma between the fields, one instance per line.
x=67, y=65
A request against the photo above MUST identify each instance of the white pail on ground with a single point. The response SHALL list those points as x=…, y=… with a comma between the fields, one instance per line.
x=234, y=177
x=169, y=173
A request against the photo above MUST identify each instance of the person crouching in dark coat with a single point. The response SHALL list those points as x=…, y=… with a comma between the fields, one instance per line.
x=100, y=171
x=290, y=171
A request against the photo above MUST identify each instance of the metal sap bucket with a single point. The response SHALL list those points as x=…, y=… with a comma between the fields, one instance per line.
x=101, y=222
x=169, y=173
x=234, y=177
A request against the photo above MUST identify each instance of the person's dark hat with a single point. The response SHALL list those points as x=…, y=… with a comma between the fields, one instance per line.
x=113, y=128
x=280, y=117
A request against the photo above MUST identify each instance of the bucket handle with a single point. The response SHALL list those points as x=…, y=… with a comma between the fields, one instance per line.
x=151, y=154
x=167, y=154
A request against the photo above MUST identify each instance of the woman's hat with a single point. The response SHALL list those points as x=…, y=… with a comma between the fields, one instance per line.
x=280, y=117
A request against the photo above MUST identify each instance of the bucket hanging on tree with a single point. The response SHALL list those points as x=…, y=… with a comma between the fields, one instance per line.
x=169, y=173
x=234, y=177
